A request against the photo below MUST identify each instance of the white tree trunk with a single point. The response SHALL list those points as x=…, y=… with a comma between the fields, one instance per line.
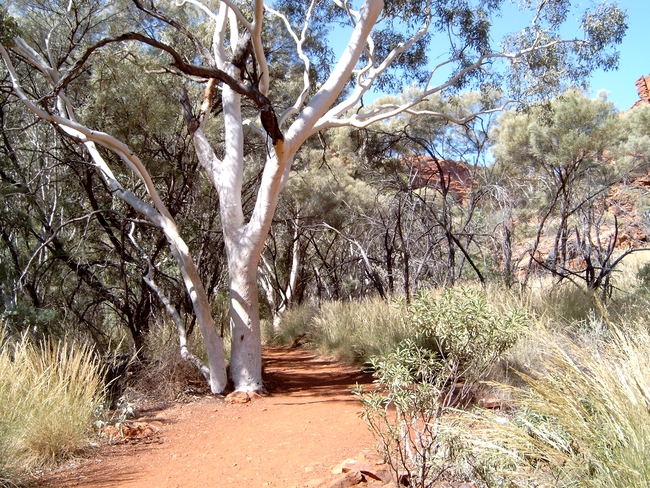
x=246, y=341
x=244, y=241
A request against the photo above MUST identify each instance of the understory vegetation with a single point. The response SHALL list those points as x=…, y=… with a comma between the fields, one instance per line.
x=569, y=376
x=480, y=236
x=50, y=394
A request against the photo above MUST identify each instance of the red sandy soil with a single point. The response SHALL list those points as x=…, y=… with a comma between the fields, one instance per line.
x=292, y=437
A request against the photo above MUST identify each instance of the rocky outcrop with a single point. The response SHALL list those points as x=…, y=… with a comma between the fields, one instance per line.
x=426, y=172
x=643, y=89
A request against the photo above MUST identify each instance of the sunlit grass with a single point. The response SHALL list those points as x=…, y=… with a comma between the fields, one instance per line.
x=49, y=397
x=357, y=331
x=295, y=321
x=351, y=331
x=582, y=419
x=577, y=382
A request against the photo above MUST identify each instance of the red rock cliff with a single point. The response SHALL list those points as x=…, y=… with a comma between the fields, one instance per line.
x=643, y=89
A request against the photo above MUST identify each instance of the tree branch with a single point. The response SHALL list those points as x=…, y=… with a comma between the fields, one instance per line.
x=301, y=54
x=173, y=312
x=267, y=114
x=180, y=27
x=303, y=126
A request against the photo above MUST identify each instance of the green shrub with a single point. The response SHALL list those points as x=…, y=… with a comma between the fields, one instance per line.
x=49, y=397
x=405, y=414
x=457, y=338
x=465, y=329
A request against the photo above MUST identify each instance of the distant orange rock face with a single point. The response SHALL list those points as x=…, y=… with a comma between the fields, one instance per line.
x=643, y=89
x=456, y=176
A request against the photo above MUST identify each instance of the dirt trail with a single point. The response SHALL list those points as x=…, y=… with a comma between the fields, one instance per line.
x=291, y=438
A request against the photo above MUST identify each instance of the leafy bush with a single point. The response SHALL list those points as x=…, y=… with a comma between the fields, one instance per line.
x=420, y=385
x=413, y=438
x=38, y=321
x=469, y=333
x=49, y=397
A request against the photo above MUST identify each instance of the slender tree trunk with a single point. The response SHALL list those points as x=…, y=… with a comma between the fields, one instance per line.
x=388, y=246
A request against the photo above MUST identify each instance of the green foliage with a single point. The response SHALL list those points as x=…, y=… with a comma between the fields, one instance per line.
x=339, y=192
x=557, y=163
x=633, y=153
x=554, y=70
x=644, y=275
x=579, y=416
x=572, y=130
x=604, y=25
x=465, y=337
x=415, y=439
x=465, y=329
x=351, y=331
x=460, y=325
x=38, y=321
x=49, y=397
x=8, y=27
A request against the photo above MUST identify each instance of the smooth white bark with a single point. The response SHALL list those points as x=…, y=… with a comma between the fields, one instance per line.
x=245, y=241
x=302, y=127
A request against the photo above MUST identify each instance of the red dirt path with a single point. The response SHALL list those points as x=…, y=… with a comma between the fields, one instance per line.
x=291, y=438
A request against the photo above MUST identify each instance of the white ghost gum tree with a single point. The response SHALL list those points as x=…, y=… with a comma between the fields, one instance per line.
x=388, y=41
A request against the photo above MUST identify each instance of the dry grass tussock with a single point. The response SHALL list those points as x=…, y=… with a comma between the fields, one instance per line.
x=581, y=420
x=163, y=376
x=578, y=385
x=351, y=331
x=49, y=396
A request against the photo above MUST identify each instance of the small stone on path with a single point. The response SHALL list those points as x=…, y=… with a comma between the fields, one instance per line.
x=352, y=478
x=338, y=469
x=238, y=397
x=315, y=483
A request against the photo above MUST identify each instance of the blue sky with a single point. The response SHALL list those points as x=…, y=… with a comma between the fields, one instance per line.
x=635, y=57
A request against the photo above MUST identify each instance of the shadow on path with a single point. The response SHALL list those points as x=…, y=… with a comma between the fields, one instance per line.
x=298, y=372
